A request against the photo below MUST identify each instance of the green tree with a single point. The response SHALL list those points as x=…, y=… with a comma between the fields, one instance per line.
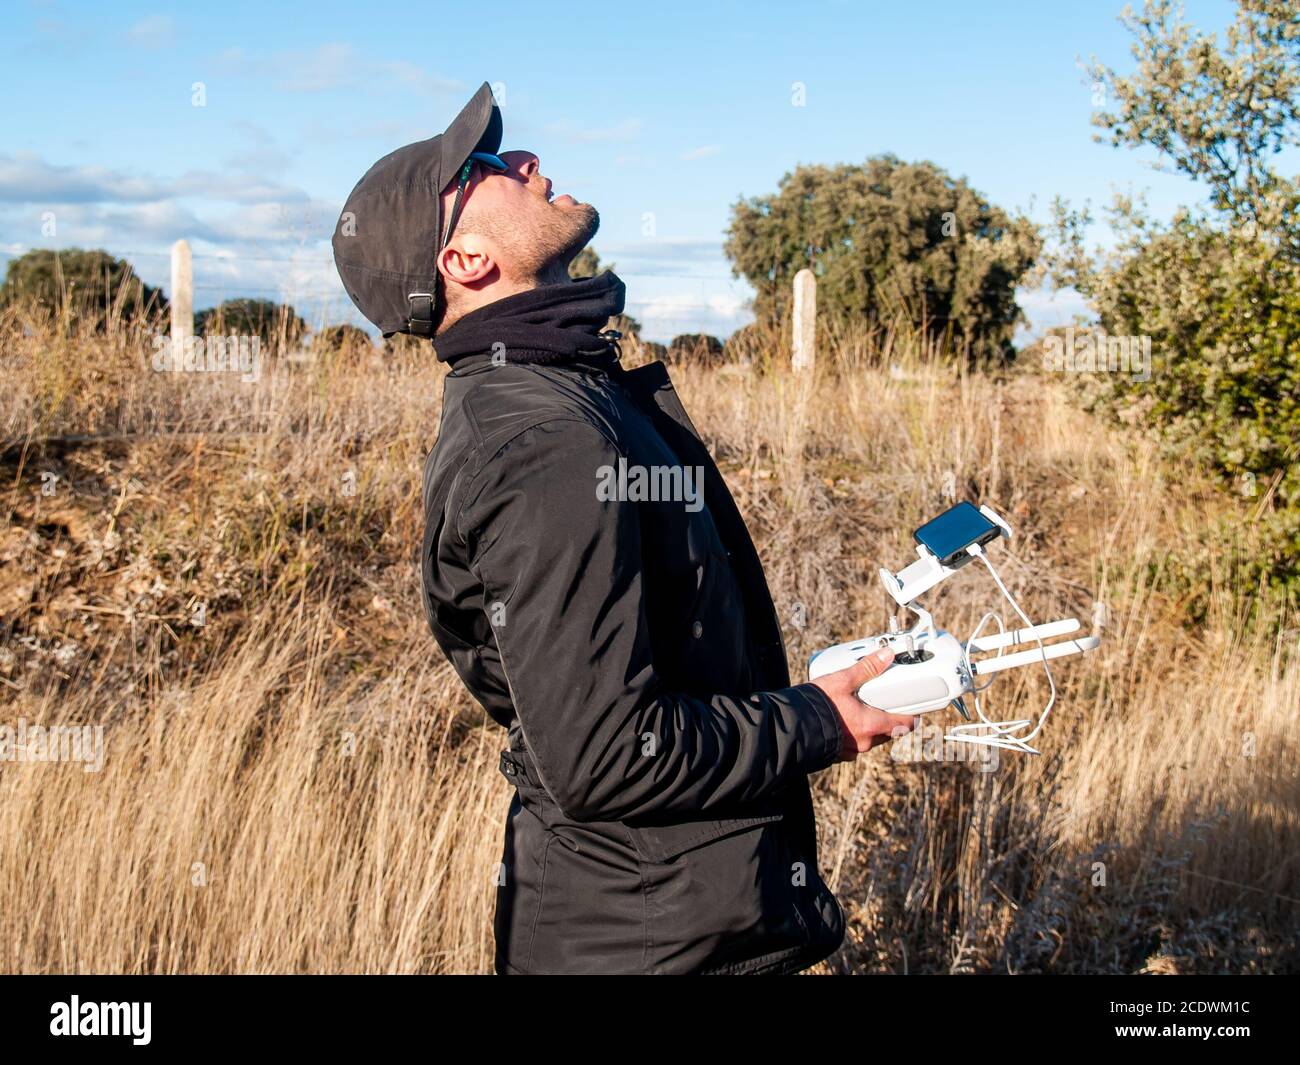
x=890, y=242
x=92, y=287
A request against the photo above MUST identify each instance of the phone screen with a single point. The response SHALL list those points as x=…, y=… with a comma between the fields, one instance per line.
x=955, y=529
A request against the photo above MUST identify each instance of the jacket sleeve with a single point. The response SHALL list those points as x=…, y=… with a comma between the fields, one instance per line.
x=563, y=583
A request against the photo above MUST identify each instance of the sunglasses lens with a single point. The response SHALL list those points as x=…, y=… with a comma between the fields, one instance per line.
x=494, y=162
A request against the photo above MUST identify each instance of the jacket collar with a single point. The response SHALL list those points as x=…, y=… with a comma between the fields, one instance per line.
x=546, y=325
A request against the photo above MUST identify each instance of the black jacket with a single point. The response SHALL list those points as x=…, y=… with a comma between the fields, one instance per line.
x=662, y=821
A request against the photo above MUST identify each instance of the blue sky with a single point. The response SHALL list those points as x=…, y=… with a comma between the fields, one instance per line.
x=662, y=115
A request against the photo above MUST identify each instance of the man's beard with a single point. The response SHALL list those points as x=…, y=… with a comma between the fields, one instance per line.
x=539, y=248
x=551, y=246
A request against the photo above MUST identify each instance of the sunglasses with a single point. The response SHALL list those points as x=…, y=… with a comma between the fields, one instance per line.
x=491, y=162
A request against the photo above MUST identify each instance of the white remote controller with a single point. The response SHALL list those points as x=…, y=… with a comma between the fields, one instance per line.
x=928, y=671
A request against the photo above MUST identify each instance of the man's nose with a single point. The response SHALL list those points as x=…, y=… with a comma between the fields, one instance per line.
x=525, y=164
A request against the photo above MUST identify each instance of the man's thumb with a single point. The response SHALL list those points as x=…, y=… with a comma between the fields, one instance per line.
x=873, y=664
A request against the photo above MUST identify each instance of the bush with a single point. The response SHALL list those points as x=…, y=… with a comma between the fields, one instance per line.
x=406, y=346
x=1223, y=314
x=695, y=347
x=1217, y=293
x=345, y=339
x=92, y=287
x=277, y=325
x=760, y=346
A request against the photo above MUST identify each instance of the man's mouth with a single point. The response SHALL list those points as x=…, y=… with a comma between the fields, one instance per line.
x=566, y=200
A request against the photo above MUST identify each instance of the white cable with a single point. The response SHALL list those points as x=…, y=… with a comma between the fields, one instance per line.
x=1004, y=734
x=975, y=636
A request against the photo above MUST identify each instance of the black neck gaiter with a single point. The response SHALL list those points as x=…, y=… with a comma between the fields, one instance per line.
x=549, y=324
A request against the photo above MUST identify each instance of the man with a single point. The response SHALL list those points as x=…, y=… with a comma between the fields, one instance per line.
x=623, y=636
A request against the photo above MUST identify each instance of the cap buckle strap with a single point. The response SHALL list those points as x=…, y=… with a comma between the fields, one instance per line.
x=419, y=317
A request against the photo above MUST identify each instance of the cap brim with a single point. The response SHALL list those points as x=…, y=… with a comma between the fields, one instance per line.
x=476, y=129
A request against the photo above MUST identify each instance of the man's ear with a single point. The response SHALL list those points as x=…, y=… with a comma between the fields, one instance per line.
x=466, y=261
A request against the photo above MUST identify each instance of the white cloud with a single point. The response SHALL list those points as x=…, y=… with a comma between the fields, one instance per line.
x=676, y=254
x=27, y=178
x=666, y=316
x=702, y=152
x=152, y=31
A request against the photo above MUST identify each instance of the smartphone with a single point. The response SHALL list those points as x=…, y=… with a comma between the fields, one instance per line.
x=947, y=536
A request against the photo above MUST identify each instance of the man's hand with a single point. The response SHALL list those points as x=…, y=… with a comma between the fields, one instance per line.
x=861, y=726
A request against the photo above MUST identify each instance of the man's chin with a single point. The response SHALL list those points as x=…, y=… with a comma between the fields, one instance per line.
x=586, y=221
x=571, y=228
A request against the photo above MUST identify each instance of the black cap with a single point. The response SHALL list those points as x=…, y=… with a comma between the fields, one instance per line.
x=385, y=239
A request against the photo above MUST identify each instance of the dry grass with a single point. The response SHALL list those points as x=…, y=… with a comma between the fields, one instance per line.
x=300, y=783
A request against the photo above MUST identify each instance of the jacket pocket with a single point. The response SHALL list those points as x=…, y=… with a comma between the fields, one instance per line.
x=662, y=843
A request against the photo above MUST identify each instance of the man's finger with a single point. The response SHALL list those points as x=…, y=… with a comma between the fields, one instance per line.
x=872, y=665
x=902, y=723
x=899, y=725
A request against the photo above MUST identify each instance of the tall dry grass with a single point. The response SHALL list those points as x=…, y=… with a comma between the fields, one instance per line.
x=300, y=784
